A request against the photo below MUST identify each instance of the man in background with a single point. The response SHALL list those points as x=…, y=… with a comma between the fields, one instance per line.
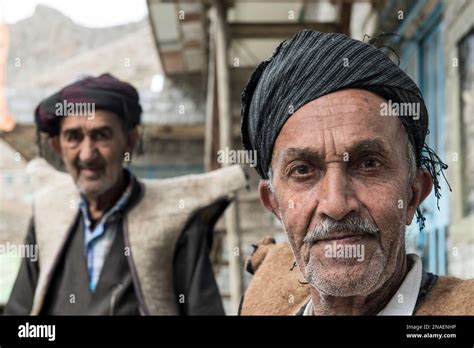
x=108, y=243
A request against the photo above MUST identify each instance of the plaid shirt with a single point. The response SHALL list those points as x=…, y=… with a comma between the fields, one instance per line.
x=98, y=241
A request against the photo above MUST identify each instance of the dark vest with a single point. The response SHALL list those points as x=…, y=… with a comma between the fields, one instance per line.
x=69, y=292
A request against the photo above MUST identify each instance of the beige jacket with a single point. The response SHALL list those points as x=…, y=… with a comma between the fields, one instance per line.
x=152, y=226
x=278, y=288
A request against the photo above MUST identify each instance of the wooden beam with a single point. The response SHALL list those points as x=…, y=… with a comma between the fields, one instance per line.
x=211, y=137
x=239, y=30
x=225, y=140
x=345, y=11
x=174, y=131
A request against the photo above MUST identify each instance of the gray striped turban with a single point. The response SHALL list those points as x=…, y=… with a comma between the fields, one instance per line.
x=313, y=64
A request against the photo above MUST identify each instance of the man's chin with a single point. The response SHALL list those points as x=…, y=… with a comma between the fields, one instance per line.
x=345, y=277
x=92, y=189
x=90, y=175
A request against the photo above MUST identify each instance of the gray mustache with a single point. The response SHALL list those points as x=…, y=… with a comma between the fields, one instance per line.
x=91, y=165
x=328, y=228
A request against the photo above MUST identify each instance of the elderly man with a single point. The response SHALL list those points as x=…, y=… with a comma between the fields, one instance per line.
x=344, y=179
x=108, y=243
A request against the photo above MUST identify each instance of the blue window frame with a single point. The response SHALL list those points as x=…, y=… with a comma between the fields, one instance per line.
x=423, y=59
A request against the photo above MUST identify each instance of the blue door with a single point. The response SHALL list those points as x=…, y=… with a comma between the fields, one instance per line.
x=432, y=86
x=423, y=59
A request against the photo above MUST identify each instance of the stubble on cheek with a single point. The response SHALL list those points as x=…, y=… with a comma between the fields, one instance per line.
x=347, y=277
x=299, y=248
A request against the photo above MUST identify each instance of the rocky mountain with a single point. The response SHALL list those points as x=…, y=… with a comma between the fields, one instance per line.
x=48, y=49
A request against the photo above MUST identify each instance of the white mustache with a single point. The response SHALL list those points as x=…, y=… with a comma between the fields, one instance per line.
x=328, y=227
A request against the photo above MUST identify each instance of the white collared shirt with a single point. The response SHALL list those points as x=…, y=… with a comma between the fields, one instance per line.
x=404, y=300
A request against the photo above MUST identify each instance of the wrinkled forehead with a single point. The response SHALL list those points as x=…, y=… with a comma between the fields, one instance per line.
x=84, y=121
x=339, y=121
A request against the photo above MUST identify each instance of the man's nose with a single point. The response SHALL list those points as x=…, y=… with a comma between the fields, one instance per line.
x=88, y=150
x=336, y=197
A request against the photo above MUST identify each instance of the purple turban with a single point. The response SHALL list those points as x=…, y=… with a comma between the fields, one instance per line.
x=105, y=92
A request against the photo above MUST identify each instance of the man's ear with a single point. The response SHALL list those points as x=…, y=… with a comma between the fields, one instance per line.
x=133, y=138
x=55, y=144
x=420, y=189
x=268, y=199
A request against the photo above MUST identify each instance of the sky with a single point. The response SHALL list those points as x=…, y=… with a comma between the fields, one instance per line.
x=89, y=13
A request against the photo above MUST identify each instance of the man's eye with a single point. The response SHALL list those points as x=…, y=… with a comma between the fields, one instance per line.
x=100, y=136
x=301, y=169
x=73, y=137
x=370, y=163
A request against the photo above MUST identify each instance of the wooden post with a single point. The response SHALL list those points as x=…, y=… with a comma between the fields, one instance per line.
x=211, y=136
x=225, y=140
x=345, y=11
